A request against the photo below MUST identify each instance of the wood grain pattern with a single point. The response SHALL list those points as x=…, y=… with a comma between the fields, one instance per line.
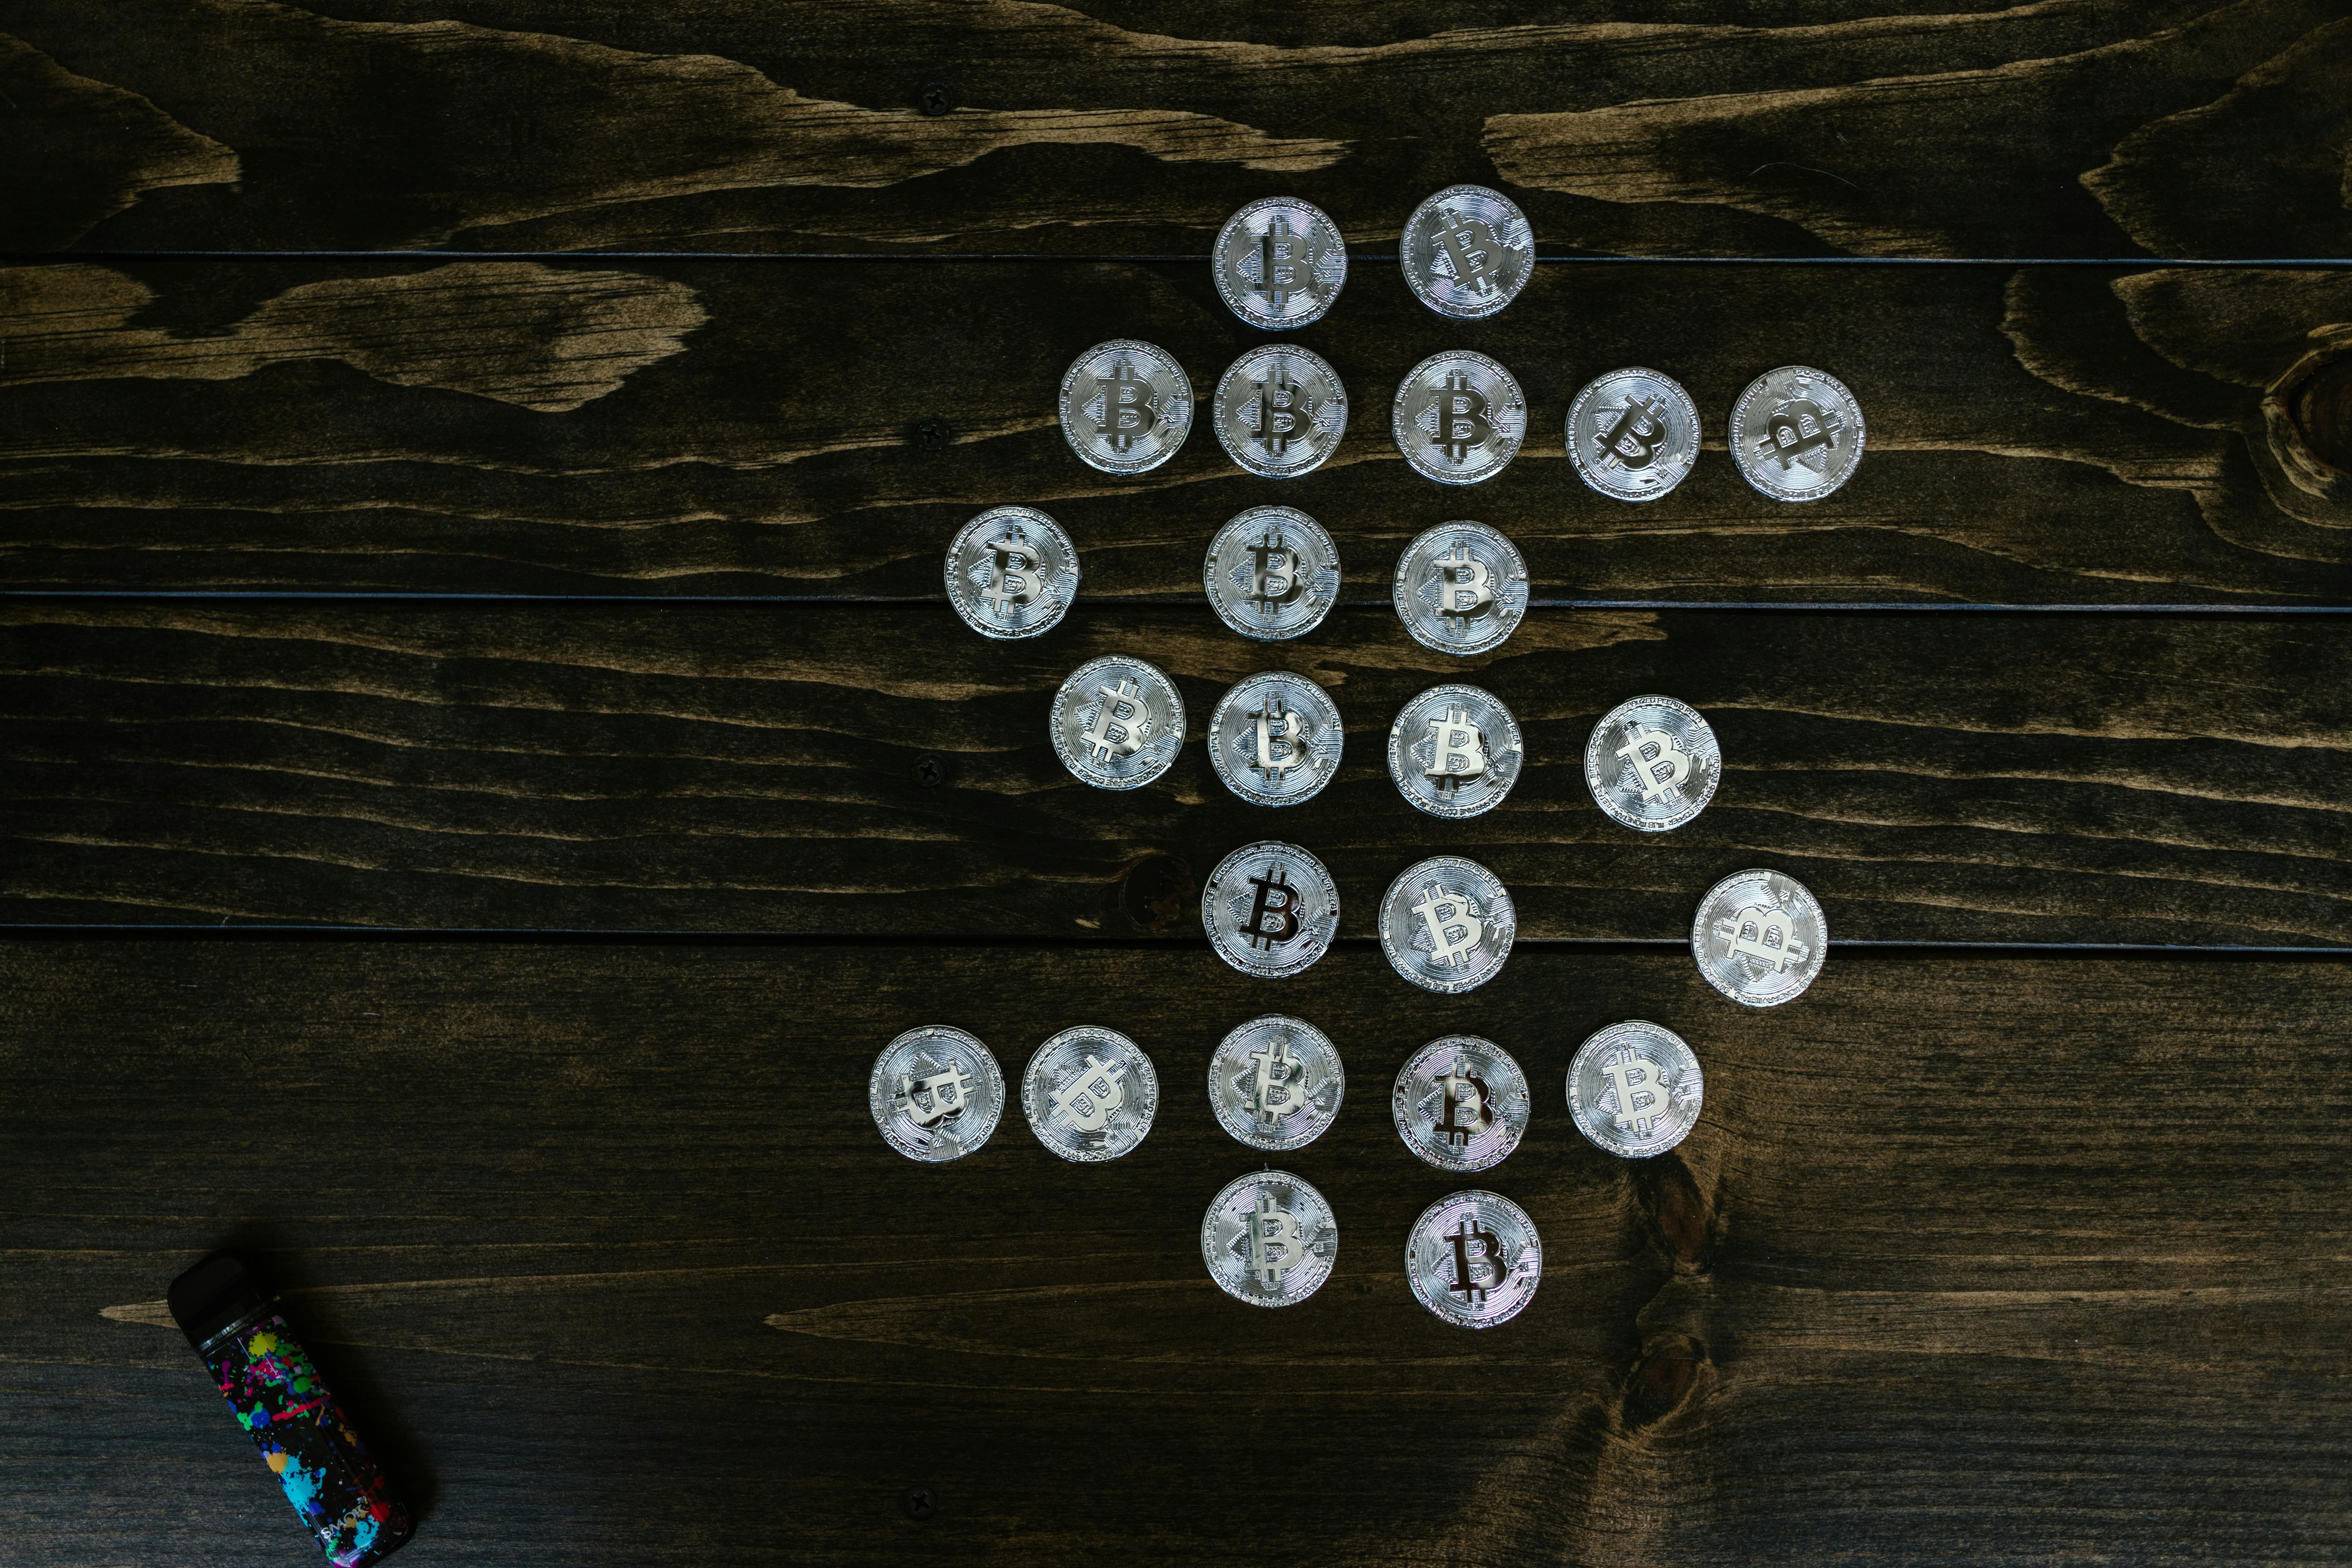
x=2058, y=129
x=760, y=768
x=602, y=1239
x=2037, y=437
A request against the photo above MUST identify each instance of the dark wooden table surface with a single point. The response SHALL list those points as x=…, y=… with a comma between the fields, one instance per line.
x=488, y=764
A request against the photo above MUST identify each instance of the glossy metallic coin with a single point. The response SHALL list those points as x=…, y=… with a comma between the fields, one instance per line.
x=1090, y=1094
x=1473, y=1258
x=1126, y=406
x=1274, y=739
x=1446, y=924
x=1280, y=410
x=1460, y=588
x=1760, y=938
x=1270, y=909
x=1461, y=1103
x=1280, y=263
x=936, y=1093
x=1796, y=433
x=1635, y=1089
x=1269, y=1239
x=1652, y=763
x=1275, y=1083
x=1117, y=723
x=1012, y=573
x=1633, y=434
x=1454, y=751
x=1459, y=417
x=1272, y=573
x=1467, y=251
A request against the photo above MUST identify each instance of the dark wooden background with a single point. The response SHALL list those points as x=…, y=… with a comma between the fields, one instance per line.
x=487, y=765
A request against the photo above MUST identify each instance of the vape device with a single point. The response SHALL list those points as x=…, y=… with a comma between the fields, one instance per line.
x=262, y=1370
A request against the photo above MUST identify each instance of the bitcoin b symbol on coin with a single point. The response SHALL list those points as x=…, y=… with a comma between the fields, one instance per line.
x=1635, y=438
x=1473, y=250
x=1763, y=933
x=1468, y=1109
x=1017, y=579
x=1636, y=1081
x=1488, y=1261
x=1464, y=587
x=1127, y=411
x=944, y=1094
x=1463, y=422
x=1119, y=724
x=1796, y=428
x=1274, y=577
x=1446, y=913
x=1281, y=1087
x=1281, y=416
x=1276, y=1241
x=1285, y=262
x=1658, y=763
x=1277, y=727
x=1274, y=918
x=1086, y=1101
x=1458, y=753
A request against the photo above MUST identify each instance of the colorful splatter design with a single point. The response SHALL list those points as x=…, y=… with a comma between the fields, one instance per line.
x=331, y=1479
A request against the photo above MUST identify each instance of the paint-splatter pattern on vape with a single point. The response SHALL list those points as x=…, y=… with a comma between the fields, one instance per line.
x=331, y=1479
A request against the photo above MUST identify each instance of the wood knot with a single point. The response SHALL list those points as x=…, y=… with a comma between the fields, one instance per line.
x=1678, y=1211
x=1158, y=894
x=2307, y=414
x=1662, y=1381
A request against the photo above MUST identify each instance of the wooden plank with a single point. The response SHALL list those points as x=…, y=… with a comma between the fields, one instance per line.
x=2070, y=127
x=2046, y=435
x=1988, y=778
x=602, y=1239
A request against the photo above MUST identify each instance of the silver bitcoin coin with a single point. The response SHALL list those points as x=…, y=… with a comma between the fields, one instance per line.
x=1652, y=763
x=1280, y=263
x=1446, y=924
x=1275, y=1083
x=1117, y=723
x=1467, y=251
x=1461, y=1103
x=1126, y=406
x=1454, y=751
x=1280, y=411
x=1796, y=433
x=1460, y=588
x=1459, y=417
x=1272, y=573
x=1090, y=1094
x=1473, y=1258
x=1274, y=739
x=1633, y=434
x=1012, y=573
x=936, y=1094
x=1269, y=1239
x=1270, y=909
x=1635, y=1089
x=1760, y=938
